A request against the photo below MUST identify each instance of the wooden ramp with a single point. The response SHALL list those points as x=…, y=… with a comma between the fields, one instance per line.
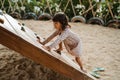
x=24, y=42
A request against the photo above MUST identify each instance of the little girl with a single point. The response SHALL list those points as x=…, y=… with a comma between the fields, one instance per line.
x=71, y=40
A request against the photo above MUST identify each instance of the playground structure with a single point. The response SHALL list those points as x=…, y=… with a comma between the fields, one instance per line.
x=101, y=12
x=24, y=41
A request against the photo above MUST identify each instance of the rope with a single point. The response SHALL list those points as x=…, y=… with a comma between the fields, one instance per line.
x=60, y=4
x=88, y=9
x=70, y=1
x=93, y=13
x=109, y=7
x=10, y=6
x=80, y=2
x=22, y=11
x=73, y=7
x=17, y=7
x=49, y=7
x=2, y=2
x=66, y=6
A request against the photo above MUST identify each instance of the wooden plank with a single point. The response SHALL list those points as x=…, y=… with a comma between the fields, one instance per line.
x=39, y=55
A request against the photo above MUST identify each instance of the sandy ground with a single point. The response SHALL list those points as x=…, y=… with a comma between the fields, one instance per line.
x=101, y=48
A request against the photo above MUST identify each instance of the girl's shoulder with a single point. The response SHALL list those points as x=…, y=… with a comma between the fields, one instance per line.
x=68, y=26
x=67, y=30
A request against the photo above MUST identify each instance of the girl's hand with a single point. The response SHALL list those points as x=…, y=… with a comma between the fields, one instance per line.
x=38, y=40
x=46, y=47
x=58, y=50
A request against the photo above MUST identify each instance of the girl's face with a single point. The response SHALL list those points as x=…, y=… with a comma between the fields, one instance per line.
x=57, y=25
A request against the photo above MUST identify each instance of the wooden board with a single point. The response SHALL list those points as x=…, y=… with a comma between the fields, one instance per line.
x=25, y=43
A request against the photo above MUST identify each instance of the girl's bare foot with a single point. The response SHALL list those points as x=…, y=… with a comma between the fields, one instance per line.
x=46, y=47
x=84, y=70
x=58, y=51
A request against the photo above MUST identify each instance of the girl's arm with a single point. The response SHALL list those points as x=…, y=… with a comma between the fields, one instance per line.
x=58, y=50
x=62, y=37
x=60, y=47
x=50, y=37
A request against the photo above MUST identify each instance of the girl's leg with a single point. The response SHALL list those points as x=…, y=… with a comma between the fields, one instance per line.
x=80, y=63
x=60, y=48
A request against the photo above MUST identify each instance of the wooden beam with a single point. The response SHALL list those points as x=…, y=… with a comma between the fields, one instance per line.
x=18, y=44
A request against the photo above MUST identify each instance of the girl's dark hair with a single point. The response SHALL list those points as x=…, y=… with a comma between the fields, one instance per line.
x=60, y=17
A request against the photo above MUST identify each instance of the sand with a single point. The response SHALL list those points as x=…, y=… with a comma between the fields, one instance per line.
x=101, y=48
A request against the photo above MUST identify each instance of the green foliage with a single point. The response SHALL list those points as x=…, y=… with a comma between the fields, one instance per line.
x=40, y=6
x=30, y=6
x=115, y=7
